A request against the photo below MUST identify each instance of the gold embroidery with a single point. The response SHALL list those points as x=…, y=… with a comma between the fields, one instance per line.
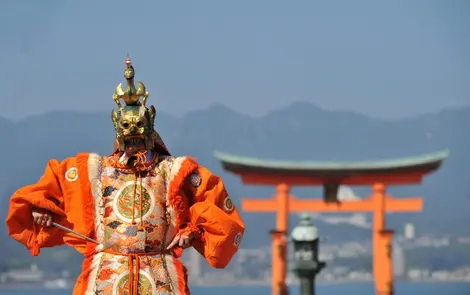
x=237, y=240
x=228, y=204
x=71, y=174
x=195, y=179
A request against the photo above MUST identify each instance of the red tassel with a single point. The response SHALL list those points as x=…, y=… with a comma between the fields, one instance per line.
x=35, y=249
x=177, y=251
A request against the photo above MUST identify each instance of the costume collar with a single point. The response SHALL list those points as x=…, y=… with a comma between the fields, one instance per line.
x=124, y=159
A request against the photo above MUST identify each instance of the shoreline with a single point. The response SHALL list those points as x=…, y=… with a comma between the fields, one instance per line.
x=6, y=287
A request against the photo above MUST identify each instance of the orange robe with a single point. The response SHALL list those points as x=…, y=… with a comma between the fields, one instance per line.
x=133, y=217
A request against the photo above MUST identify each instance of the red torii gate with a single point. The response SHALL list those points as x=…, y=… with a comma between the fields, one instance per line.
x=379, y=174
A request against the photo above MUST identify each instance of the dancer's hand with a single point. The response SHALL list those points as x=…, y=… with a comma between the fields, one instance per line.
x=42, y=217
x=181, y=240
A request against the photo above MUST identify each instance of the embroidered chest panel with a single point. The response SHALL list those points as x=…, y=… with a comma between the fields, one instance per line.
x=134, y=209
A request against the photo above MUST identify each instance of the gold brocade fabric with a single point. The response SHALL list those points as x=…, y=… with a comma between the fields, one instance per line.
x=134, y=222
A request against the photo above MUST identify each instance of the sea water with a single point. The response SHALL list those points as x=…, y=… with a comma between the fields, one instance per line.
x=321, y=289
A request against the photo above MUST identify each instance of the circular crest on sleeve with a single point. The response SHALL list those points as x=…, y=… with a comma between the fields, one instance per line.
x=195, y=179
x=71, y=174
x=228, y=204
x=237, y=240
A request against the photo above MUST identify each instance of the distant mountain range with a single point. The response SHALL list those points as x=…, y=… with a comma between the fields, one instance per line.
x=299, y=132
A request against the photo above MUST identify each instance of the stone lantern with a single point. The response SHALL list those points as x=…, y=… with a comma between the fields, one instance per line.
x=306, y=265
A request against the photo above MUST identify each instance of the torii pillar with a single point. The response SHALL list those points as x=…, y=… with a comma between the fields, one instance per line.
x=378, y=174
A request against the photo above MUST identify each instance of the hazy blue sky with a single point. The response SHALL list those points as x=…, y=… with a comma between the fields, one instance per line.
x=384, y=58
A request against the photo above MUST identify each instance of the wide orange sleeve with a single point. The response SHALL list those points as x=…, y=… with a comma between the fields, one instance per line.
x=45, y=194
x=220, y=227
x=54, y=194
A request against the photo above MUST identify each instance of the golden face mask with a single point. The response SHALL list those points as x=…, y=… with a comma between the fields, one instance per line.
x=134, y=123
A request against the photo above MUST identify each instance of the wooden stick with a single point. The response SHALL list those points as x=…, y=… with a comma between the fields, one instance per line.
x=74, y=232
